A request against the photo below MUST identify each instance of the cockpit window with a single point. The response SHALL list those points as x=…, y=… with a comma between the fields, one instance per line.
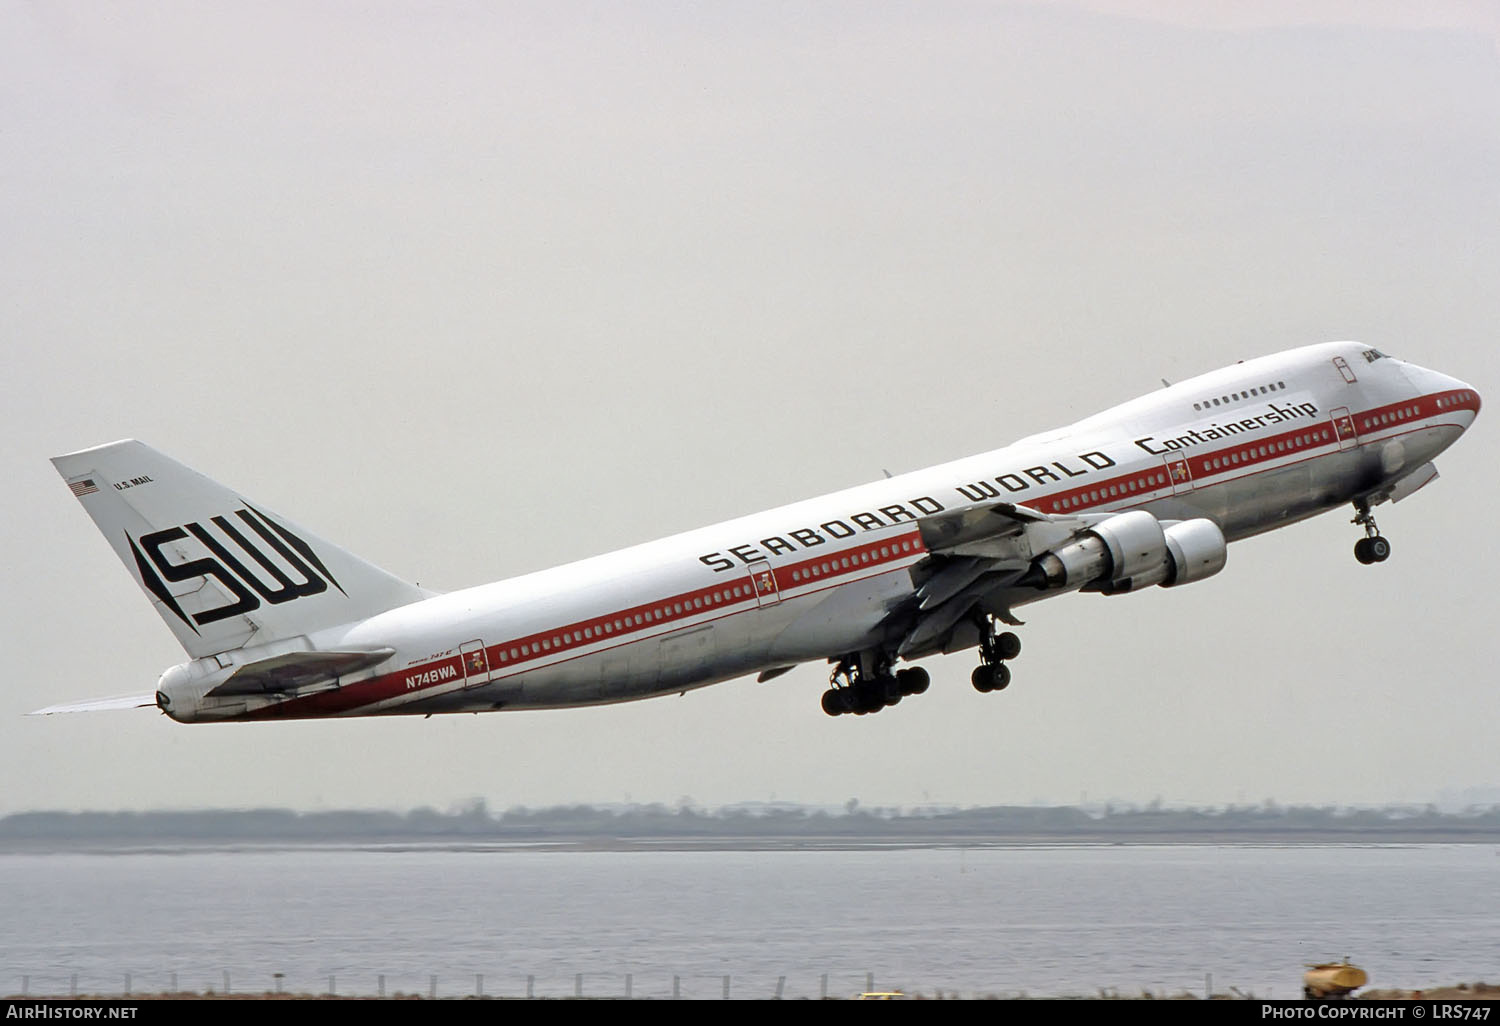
x=1371, y=355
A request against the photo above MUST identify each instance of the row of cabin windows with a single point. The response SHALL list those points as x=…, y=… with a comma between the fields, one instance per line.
x=1459, y=398
x=717, y=598
x=1142, y=483
x=626, y=622
x=1233, y=397
x=1405, y=413
x=1217, y=463
x=1234, y=459
x=846, y=562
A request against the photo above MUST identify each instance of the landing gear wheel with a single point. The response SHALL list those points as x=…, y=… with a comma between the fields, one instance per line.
x=1372, y=548
x=999, y=677
x=864, y=702
x=987, y=678
x=913, y=681
x=993, y=674
x=863, y=683
x=870, y=696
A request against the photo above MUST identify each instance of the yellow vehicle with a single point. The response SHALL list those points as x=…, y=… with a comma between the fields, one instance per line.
x=1325, y=981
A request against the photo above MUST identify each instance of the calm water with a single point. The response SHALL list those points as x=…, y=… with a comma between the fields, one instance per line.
x=1043, y=920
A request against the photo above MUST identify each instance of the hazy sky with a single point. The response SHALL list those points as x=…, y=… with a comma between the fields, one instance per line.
x=477, y=288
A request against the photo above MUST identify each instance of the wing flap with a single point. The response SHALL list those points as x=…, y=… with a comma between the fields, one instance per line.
x=976, y=552
x=931, y=627
x=951, y=528
x=999, y=532
x=952, y=577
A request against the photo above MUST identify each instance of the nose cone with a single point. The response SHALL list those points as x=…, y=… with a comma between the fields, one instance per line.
x=1461, y=399
x=1457, y=401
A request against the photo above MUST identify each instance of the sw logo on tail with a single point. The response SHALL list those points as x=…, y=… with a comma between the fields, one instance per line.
x=228, y=570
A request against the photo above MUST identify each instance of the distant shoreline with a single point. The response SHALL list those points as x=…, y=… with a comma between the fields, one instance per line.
x=780, y=828
x=677, y=844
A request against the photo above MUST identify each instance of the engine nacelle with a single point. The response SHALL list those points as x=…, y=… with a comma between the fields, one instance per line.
x=1195, y=549
x=1117, y=549
x=1132, y=551
x=1198, y=550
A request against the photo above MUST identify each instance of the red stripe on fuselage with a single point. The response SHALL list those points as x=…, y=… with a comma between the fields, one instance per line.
x=636, y=623
x=1311, y=439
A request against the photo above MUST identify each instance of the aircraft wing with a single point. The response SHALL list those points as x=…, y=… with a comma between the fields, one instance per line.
x=975, y=552
x=999, y=531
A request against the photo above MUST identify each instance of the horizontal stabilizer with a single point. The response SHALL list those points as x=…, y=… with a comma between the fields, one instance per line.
x=100, y=705
x=295, y=670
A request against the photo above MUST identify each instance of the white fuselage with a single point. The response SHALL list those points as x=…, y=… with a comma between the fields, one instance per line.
x=1252, y=447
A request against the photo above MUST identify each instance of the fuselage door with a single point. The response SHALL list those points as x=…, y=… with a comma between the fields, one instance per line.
x=1344, y=369
x=1343, y=428
x=763, y=583
x=1178, y=473
x=476, y=663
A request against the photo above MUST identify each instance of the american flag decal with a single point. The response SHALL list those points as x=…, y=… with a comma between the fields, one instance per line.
x=84, y=487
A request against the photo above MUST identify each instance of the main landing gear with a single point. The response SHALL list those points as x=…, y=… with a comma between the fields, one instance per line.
x=1372, y=548
x=995, y=650
x=863, y=684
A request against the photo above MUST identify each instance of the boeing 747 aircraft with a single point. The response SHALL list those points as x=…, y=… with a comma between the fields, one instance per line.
x=280, y=624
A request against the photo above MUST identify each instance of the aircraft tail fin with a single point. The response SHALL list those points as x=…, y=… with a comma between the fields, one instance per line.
x=223, y=572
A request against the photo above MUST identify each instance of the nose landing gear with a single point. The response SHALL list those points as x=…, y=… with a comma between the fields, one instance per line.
x=1372, y=548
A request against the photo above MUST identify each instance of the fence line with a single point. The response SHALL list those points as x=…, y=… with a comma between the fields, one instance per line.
x=631, y=985
x=345, y=983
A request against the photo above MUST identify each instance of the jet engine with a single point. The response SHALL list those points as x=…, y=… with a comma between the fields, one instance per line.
x=1132, y=550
